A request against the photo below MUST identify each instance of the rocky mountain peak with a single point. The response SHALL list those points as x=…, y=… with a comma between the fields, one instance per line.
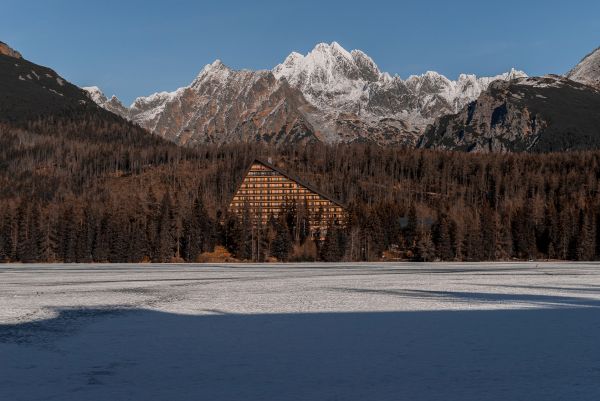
x=588, y=70
x=336, y=94
x=217, y=67
x=327, y=64
x=368, y=69
x=536, y=114
x=95, y=94
x=9, y=51
x=113, y=104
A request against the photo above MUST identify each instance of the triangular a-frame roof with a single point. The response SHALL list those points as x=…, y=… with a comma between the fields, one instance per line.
x=290, y=177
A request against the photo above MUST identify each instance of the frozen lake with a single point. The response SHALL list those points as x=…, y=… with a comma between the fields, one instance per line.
x=503, y=331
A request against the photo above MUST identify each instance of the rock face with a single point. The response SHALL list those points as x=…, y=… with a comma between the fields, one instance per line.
x=113, y=104
x=336, y=80
x=330, y=95
x=588, y=70
x=222, y=105
x=6, y=50
x=540, y=114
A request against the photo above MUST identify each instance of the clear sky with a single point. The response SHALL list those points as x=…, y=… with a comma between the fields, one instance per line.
x=134, y=48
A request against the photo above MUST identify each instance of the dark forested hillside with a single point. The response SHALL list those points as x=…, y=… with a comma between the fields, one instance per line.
x=30, y=91
x=95, y=190
x=80, y=184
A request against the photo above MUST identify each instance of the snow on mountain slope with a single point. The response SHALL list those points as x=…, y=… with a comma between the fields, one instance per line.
x=588, y=70
x=223, y=105
x=334, y=79
x=535, y=114
x=113, y=104
x=330, y=93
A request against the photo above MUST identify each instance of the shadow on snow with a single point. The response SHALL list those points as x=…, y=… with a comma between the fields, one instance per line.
x=96, y=354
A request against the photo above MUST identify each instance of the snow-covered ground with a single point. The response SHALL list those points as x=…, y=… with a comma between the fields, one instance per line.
x=300, y=332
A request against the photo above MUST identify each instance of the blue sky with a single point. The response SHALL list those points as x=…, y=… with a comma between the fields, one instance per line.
x=134, y=48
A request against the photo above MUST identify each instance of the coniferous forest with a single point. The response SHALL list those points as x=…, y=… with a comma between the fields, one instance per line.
x=92, y=189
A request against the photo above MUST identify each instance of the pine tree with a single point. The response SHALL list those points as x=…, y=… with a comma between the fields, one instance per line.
x=245, y=249
x=138, y=241
x=49, y=245
x=6, y=236
x=34, y=239
x=442, y=238
x=100, y=245
x=585, y=242
x=329, y=250
x=67, y=236
x=375, y=242
x=22, y=224
x=165, y=236
x=85, y=235
x=198, y=232
x=488, y=232
x=290, y=213
x=304, y=223
x=232, y=234
x=523, y=233
x=410, y=232
x=282, y=243
x=504, y=244
x=118, y=236
x=472, y=245
x=152, y=221
x=424, y=247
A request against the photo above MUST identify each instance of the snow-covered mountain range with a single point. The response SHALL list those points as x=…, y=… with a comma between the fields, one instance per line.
x=329, y=94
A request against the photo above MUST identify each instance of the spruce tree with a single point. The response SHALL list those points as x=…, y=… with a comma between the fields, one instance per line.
x=165, y=236
x=67, y=236
x=329, y=248
x=282, y=243
x=488, y=232
x=585, y=241
x=442, y=238
x=410, y=232
x=5, y=236
x=22, y=225
x=33, y=244
x=424, y=249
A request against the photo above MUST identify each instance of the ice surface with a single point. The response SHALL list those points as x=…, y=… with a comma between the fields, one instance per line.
x=300, y=332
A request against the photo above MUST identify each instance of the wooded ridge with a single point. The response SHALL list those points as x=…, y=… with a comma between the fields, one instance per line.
x=88, y=189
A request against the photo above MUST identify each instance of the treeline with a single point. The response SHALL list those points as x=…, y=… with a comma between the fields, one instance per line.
x=90, y=190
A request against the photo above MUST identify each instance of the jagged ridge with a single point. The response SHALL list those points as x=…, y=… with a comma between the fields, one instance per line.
x=330, y=95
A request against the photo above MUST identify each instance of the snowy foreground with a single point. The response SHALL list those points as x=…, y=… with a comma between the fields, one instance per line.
x=300, y=332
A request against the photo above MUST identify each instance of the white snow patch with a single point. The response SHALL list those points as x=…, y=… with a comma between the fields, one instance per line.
x=431, y=331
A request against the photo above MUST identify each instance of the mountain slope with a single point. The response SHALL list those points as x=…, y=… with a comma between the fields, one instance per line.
x=222, y=105
x=46, y=107
x=6, y=50
x=30, y=90
x=330, y=95
x=588, y=70
x=539, y=114
x=334, y=79
x=55, y=142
